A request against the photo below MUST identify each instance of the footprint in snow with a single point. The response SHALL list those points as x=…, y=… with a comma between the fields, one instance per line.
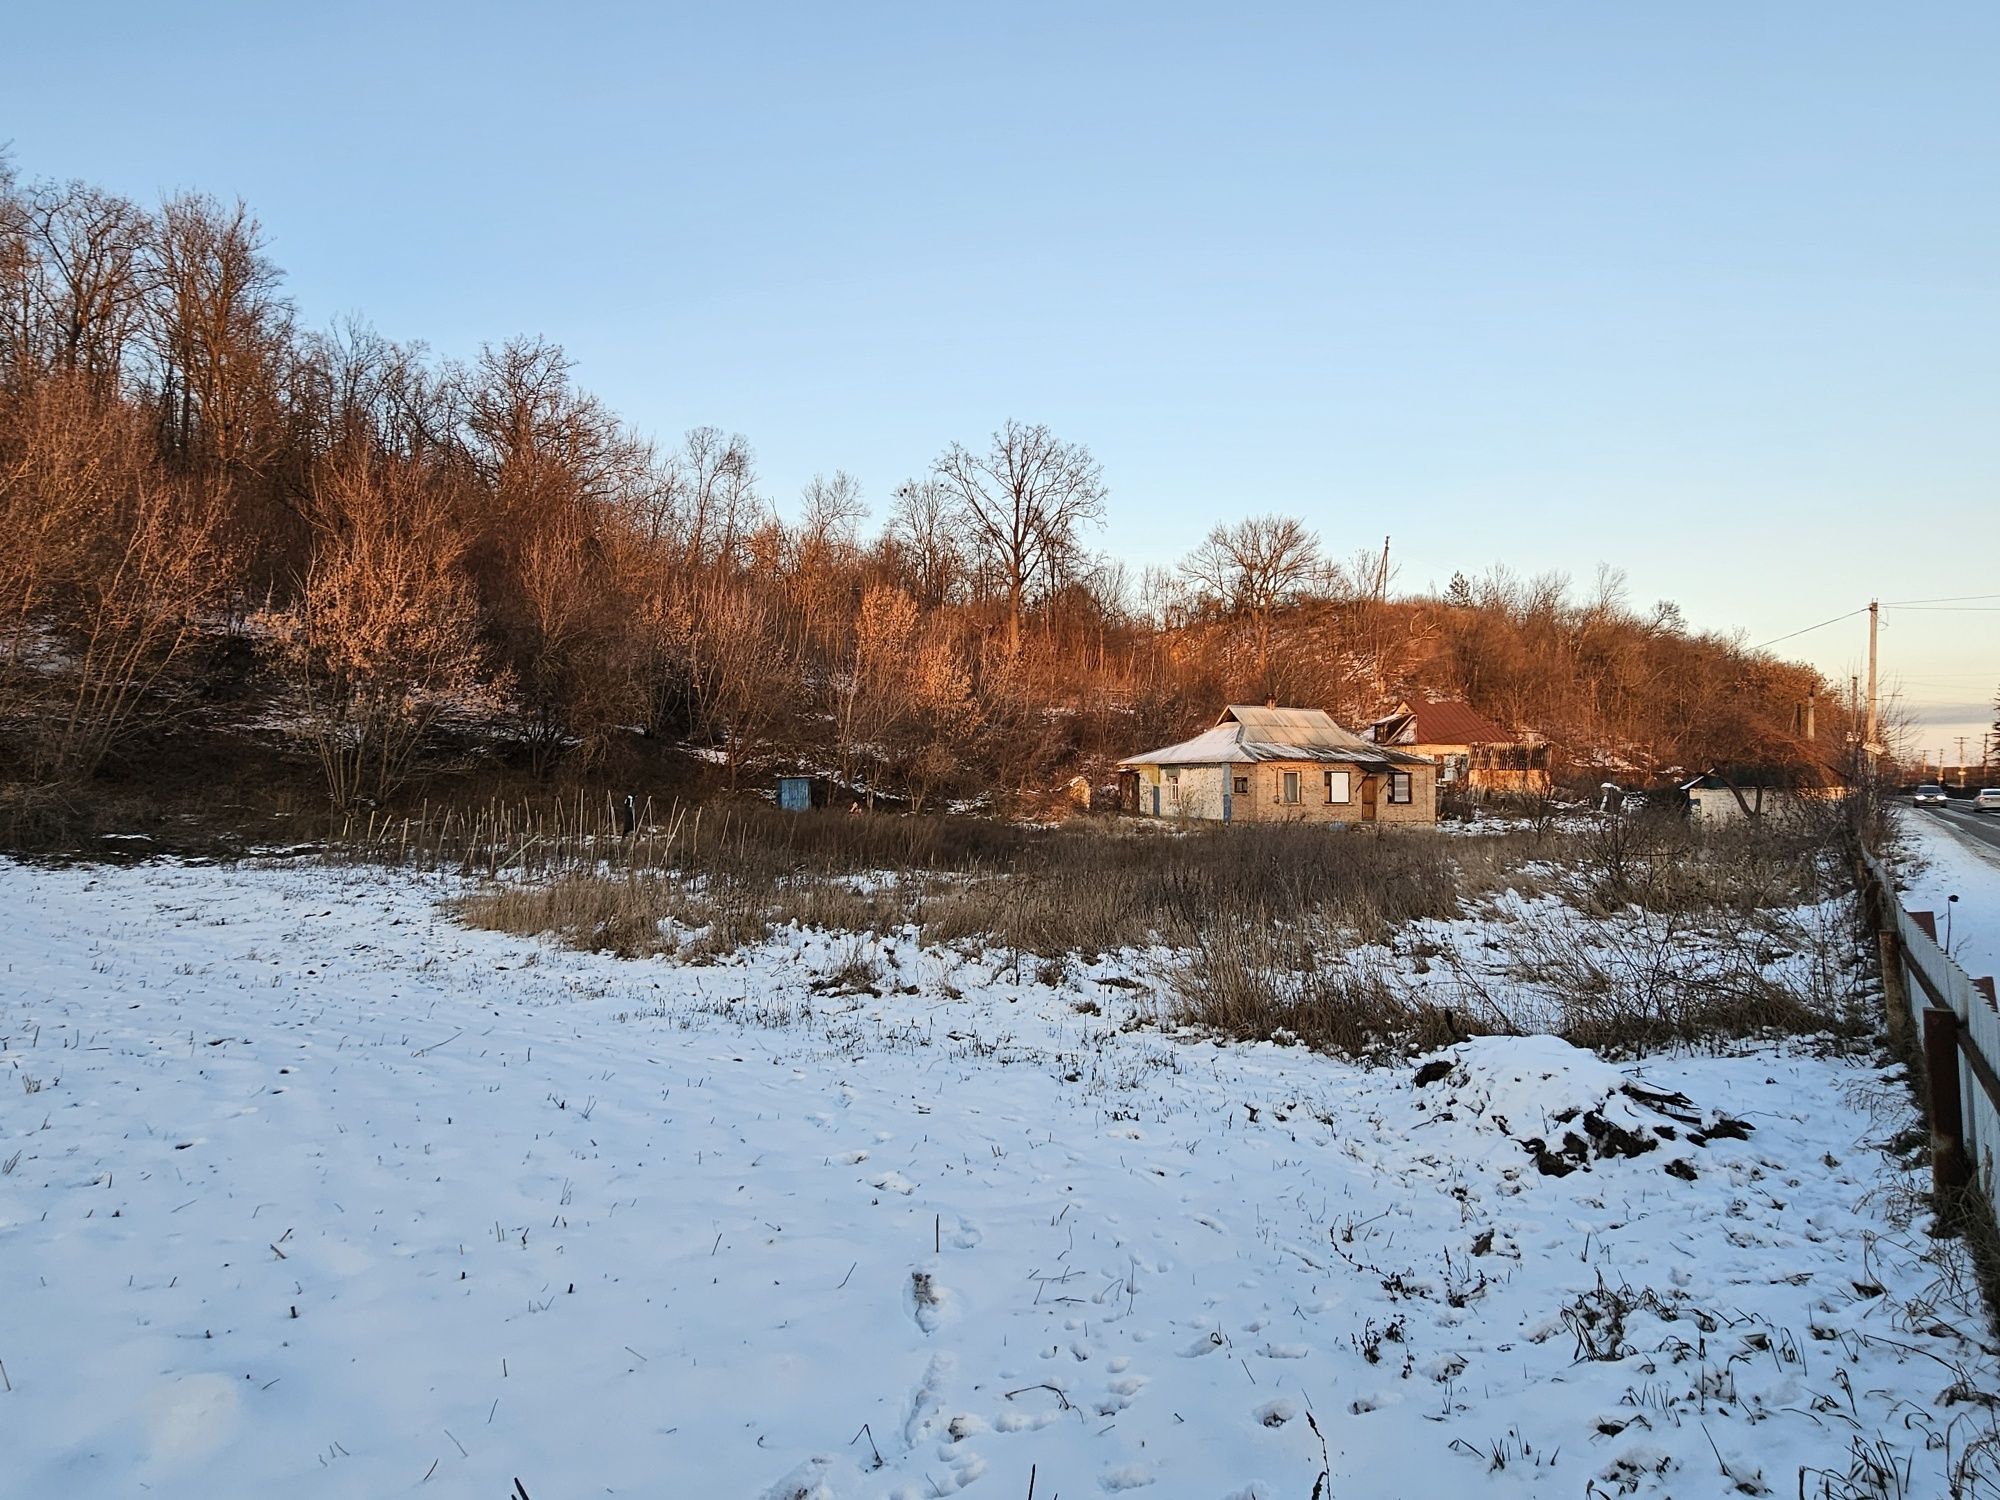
x=895, y=1182
x=929, y=1302
x=1126, y=1477
x=922, y=1420
x=1285, y=1351
x=806, y=1482
x=853, y=1158
x=1119, y=1393
x=1275, y=1413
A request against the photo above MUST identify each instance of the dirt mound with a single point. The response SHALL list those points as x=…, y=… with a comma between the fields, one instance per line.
x=1566, y=1107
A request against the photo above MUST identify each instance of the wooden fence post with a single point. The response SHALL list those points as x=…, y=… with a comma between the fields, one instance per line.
x=1949, y=1168
x=1895, y=991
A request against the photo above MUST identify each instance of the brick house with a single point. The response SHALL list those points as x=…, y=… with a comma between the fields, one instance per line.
x=1277, y=765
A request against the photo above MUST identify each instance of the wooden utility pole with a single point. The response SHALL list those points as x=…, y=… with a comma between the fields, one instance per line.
x=1871, y=742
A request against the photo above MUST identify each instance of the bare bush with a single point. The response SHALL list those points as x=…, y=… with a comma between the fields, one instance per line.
x=109, y=569
x=380, y=647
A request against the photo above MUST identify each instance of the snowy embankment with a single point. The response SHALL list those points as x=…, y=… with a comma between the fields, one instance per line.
x=1952, y=862
x=312, y=1192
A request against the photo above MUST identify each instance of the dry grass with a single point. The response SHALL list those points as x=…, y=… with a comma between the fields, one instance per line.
x=1081, y=889
x=1673, y=936
x=1293, y=985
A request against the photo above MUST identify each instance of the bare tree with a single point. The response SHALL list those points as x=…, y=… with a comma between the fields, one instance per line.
x=217, y=321
x=1255, y=568
x=90, y=248
x=820, y=556
x=1024, y=501
x=923, y=533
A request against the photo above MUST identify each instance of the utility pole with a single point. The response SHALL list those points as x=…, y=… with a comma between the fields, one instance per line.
x=1873, y=743
x=1961, y=761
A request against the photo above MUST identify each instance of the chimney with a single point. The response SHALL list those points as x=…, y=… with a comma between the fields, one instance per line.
x=1812, y=703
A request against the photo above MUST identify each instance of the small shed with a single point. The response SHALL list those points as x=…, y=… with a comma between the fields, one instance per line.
x=1725, y=794
x=801, y=793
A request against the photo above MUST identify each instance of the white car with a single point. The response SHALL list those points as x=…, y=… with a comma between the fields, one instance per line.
x=1929, y=794
x=1987, y=801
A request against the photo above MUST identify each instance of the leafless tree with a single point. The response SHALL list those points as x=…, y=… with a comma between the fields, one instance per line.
x=90, y=247
x=1024, y=502
x=217, y=321
x=923, y=533
x=1255, y=568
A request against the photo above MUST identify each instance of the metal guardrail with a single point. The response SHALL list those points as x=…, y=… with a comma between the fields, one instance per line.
x=1957, y=1027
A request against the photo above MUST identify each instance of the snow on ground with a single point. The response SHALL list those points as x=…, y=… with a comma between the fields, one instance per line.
x=311, y=1191
x=1950, y=862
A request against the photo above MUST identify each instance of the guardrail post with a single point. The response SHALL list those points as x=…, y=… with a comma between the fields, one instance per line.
x=1949, y=1169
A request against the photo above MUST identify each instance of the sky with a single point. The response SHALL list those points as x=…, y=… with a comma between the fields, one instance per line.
x=1706, y=292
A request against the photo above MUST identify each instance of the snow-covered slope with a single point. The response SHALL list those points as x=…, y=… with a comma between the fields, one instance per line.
x=313, y=1192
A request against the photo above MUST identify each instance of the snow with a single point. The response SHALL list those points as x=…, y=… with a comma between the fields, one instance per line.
x=312, y=1191
x=1950, y=863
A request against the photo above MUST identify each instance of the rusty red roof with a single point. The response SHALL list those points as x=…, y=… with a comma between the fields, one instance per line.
x=1439, y=723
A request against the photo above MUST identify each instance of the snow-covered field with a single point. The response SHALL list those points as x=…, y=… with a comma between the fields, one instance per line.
x=311, y=1191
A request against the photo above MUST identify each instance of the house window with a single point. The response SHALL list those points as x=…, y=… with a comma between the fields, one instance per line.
x=1290, y=787
x=1337, y=787
x=1240, y=785
x=1173, y=776
x=1399, y=786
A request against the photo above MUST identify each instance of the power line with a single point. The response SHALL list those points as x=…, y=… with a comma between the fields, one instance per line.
x=1947, y=599
x=1810, y=628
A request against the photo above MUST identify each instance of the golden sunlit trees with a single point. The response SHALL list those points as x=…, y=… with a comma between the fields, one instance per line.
x=380, y=645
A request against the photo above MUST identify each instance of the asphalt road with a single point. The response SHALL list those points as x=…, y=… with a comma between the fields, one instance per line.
x=1974, y=828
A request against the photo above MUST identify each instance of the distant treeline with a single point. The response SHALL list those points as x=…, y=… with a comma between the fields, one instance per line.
x=366, y=551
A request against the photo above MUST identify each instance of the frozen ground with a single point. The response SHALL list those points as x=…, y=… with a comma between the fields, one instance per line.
x=310, y=1191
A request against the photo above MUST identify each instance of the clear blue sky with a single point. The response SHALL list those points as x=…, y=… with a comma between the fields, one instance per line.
x=1710, y=292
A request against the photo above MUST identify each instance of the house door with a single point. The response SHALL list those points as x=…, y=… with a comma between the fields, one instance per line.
x=1370, y=786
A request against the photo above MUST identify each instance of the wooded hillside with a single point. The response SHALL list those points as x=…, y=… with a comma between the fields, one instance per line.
x=330, y=543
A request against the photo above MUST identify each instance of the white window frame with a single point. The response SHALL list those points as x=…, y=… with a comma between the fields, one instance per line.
x=1290, y=790
x=1346, y=779
x=1407, y=783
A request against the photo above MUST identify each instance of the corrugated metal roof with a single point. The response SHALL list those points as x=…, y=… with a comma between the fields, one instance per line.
x=1248, y=733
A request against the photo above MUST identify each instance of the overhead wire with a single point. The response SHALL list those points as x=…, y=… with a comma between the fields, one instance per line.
x=1945, y=599
x=1810, y=628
